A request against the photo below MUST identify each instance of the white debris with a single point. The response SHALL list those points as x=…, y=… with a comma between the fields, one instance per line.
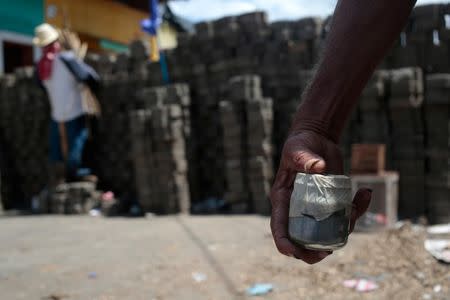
x=199, y=277
x=437, y=288
x=440, y=249
x=439, y=229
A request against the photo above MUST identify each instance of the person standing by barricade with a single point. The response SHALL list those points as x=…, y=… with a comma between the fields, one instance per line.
x=70, y=84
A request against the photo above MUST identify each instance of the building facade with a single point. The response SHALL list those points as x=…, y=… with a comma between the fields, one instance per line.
x=105, y=25
x=17, y=21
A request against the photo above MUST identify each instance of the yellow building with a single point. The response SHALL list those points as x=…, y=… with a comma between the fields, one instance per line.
x=108, y=25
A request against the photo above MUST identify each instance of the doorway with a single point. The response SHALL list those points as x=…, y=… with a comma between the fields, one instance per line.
x=16, y=55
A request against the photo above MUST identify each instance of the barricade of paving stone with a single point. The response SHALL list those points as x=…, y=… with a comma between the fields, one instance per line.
x=232, y=118
x=247, y=121
x=369, y=122
x=220, y=50
x=437, y=116
x=70, y=198
x=122, y=76
x=372, y=106
x=24, y=121
x=287, y=86
x=407, y=147
x=225, y=48
x=160, y=133
x=260, y=152
x=424, y=41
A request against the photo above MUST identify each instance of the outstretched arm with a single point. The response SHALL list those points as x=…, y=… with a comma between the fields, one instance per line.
x=362, y=31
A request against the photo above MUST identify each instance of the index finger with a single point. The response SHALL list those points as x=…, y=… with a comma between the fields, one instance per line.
x=280, y=197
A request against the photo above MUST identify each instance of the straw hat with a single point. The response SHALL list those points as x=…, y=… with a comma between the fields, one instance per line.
x=45, y=34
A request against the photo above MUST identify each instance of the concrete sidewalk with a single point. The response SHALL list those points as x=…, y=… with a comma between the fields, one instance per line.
x=60, y=257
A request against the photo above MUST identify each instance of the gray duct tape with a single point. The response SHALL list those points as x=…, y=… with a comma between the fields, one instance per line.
x=319, y=196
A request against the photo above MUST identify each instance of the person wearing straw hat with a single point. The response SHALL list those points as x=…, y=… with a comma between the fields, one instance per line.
x=60, y=73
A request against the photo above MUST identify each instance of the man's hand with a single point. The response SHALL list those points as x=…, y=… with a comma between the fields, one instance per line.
x=306, y=152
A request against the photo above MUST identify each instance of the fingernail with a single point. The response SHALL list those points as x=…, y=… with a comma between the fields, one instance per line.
x=310, y=163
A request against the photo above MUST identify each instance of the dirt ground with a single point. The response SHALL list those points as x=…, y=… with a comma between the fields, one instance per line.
x=60, y=257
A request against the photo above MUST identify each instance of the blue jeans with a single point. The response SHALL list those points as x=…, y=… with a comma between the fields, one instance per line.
x=77, y=135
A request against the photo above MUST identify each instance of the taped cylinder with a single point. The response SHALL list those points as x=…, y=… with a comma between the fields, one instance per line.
x=319, y=212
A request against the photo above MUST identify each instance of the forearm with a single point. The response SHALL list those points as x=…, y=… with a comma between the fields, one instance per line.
x=362, y=32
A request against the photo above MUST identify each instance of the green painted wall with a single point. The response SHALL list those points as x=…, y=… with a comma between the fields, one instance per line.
x=21, y=16
x=113, y=46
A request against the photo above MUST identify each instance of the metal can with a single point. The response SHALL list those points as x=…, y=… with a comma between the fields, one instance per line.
x=319, y=212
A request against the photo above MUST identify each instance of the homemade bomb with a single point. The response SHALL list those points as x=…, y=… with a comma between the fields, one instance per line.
x=319, y=212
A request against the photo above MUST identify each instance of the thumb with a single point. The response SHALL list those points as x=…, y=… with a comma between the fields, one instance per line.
x=306, y=161
x=361, y=203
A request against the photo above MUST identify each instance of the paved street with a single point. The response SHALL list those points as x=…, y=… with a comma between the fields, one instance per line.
x=60, y=257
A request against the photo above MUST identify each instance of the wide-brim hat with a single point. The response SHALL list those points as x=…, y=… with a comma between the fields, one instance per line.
x=45, y=34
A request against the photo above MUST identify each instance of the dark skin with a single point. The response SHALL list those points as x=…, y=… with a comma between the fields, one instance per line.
x=361, y=34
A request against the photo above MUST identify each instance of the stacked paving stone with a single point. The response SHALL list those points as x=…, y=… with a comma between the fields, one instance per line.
x=24, y=119
x=373, y=122
x=142, y=159
x=292, y=51
x=229, y=47
x=282, y=54
x=286, y=87
x=159, y=134
x=300, y=39
x=1, y=191
x=112, y=139
x=437, y=116
x=428, y=28
x=247, y=121
x=369, y=121
x=260, y=152
x=232, y=119
x=407, y=147
x=69, y=199
x=424, y=41
x=122, y=77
